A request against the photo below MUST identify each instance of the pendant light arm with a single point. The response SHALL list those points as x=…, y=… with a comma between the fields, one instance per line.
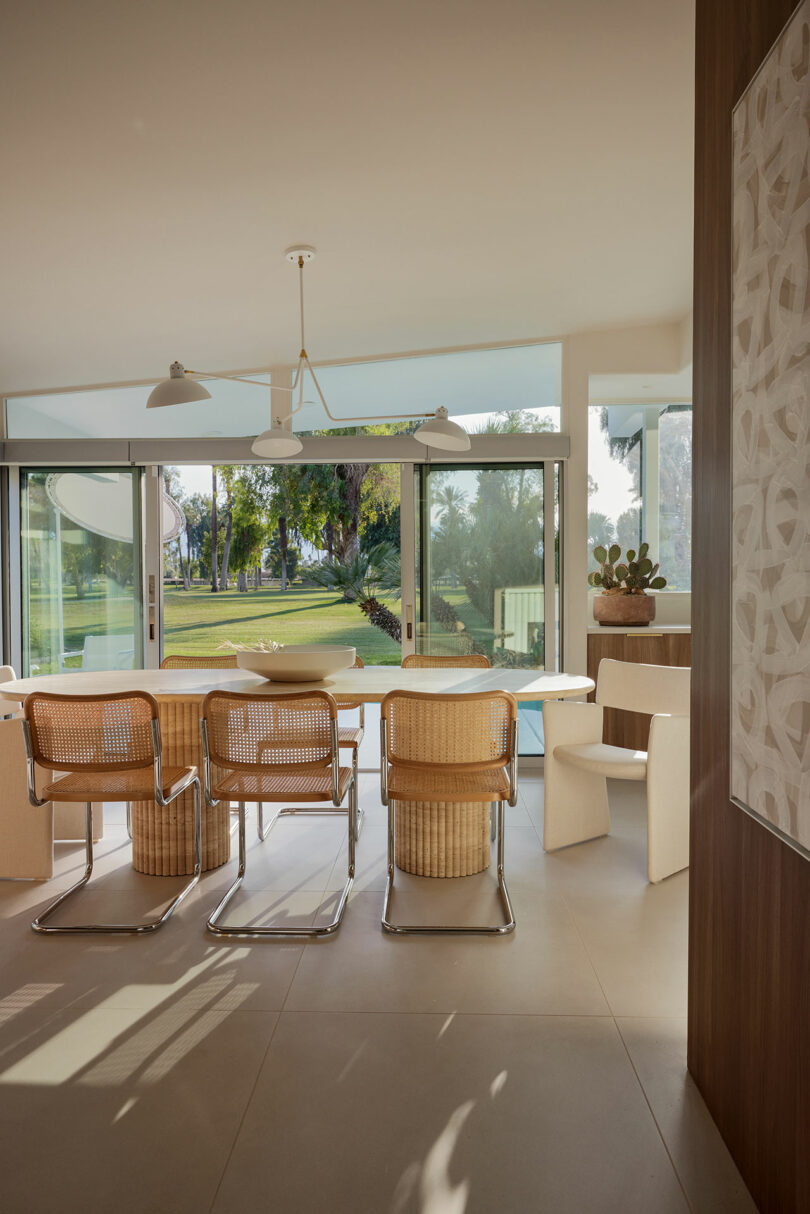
x=301, y=302
x=279, y=441
x=346, y=420
x=303, y=361
x=239, y=379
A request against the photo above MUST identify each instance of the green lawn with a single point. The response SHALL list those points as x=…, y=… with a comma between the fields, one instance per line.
x=196, y=621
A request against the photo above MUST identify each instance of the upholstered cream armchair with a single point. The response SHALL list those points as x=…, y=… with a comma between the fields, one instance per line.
x=578, y=763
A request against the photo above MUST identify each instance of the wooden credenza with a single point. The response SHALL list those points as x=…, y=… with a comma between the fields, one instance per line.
x=654, y=646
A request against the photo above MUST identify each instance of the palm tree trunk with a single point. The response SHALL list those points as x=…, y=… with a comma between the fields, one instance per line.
x=382, y=618
x=183, y=573
x=445, y=614
x=282, y=546
x=352, y=476
x=226, y=552
x=329, y=538
x=214, y=532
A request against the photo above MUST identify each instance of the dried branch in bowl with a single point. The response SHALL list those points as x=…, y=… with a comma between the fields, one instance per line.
x=260, y=646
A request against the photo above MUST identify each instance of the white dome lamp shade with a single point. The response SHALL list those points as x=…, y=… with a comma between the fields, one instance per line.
x=440, y=432
x=278, y=442
x=178, y=389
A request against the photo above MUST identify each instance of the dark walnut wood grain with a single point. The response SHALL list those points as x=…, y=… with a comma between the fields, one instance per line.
x=632, y=729
x=749, y=922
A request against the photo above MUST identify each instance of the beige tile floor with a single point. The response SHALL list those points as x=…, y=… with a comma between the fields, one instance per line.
x=365, y=1074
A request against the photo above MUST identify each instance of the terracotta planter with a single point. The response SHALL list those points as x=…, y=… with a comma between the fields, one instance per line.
x=623, y=610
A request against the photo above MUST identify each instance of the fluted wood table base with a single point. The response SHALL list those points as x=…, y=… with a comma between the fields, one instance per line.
x=163, y=839
x=440, y=839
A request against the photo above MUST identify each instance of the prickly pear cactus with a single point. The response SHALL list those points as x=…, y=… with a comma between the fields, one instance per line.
x=635, y=575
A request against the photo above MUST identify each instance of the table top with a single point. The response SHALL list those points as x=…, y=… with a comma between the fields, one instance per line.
x=369, y=683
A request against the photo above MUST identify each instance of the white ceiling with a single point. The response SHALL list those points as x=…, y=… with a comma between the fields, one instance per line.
x=668, y=389
x=469, y=171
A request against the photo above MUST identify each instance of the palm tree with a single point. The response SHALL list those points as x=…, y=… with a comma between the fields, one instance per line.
x=361, y=578
x=451, y=500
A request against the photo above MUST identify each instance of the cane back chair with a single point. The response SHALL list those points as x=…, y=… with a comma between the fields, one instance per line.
x=276, y=748
x=190, y=661
x=438, y=661
x=441, y=756
x=199, y=661
x=110, y=748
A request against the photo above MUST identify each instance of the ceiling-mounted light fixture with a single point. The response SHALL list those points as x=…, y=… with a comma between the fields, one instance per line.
x=279, y=442
x=441, y=432
x=178, y=389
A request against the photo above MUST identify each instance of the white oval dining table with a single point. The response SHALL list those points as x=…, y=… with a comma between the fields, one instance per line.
x=162, y=839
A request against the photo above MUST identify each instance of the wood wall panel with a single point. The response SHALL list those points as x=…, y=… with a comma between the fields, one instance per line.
x=632, y=729
x=749, y=946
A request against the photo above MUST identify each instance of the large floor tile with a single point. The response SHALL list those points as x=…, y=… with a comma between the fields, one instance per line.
x=618, y=861
x=712, y=1183
x=541, y=967
x=146, y=1048
x=523, y=856
x=447, y=1114
x=298, y=852
x=638, y=945
x=120, y=1110
x=143, y=971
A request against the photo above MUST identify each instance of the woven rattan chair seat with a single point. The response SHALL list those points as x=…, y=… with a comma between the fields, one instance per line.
x=138, y=785
x=408, y=784
x=281, y=786
x=349, y=737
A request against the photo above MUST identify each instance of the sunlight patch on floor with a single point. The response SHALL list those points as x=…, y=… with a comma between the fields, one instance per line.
x=25, y=998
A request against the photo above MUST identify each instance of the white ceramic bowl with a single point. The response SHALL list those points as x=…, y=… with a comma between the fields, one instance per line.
x=297, y=663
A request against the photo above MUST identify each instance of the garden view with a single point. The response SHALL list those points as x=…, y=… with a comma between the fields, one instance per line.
x=290, y=553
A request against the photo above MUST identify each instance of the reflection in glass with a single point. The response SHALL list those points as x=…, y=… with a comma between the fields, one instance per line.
x=675, y=497
x=81, y=560
x=640, y=484
x=481, y=571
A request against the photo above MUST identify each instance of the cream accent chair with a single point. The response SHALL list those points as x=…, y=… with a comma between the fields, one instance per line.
x=578, y=763
x=27, y=833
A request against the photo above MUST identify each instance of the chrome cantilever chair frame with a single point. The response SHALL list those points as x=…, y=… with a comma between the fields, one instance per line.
x=151, y=925
x=499, y=929
x=355, y=746
x=174, y=661
x=244, y=932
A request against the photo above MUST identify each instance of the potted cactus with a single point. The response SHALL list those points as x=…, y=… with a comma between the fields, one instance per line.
x=624, y=585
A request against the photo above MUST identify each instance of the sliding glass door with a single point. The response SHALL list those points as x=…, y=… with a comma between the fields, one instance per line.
x=488, y=568
x=303, y=554
x=80, y=550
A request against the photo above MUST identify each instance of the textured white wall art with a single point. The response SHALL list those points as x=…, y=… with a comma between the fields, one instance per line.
x=770, y=624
